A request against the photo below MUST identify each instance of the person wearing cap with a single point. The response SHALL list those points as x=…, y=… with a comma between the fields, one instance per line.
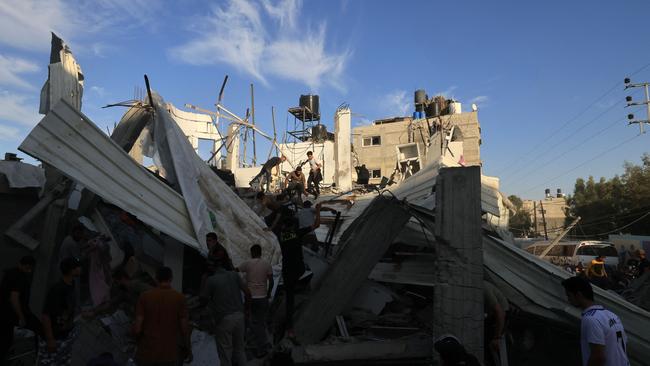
x=58, y=315
x=603, y=340
x=452, y=352
x=223, y=293
x=14, y=303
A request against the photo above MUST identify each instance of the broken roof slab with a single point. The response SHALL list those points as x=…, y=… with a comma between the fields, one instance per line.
x=69, y=141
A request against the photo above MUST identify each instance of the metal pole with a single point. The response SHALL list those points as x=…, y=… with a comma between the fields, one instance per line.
x=647, y=104
x=253, y=121
x=535, y=216
x=559, y=237
x=541, y=206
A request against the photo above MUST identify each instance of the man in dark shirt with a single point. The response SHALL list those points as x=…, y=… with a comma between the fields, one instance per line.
x=14, y=303
x=293, y=265
x=161, y=320
x=223, y=291
x=58, y=317
x=266, y=171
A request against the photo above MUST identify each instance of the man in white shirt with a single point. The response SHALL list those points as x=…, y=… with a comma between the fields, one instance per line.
x=258, y=273
x=602, y=338
x=315, y=175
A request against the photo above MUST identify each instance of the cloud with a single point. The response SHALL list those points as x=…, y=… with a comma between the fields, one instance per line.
x=16, y=108
x=306, y=61
x=11, y=67
x=479, y=99
x=263, y=41
x=448, y=93
x=8, y=133
x=98, y=90
x=233, y=36
x=26, y=24
x=397, y=102
x=285, y=11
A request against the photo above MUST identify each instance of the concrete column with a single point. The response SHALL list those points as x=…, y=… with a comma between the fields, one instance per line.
x=342, y=149
x=217, y=157
x=458, y=290
x=232, y=160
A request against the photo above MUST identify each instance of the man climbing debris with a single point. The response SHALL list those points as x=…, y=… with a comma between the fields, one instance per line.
x=266, y=172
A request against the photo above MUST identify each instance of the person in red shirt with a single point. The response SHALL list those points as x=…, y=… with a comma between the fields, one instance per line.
x=161, y=319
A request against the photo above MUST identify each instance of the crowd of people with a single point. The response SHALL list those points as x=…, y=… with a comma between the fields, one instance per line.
x=236, y=296
x=295, y=182
x=632, y=266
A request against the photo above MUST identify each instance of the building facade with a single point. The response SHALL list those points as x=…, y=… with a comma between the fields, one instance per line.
x=385, y=146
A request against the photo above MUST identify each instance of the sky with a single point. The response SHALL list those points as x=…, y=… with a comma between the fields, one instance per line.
x=547, y=76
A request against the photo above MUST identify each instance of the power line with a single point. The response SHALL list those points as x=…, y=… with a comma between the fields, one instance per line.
x=575, y=147
x=615, y=230
x=541, y=143
x=583, y=163
x=513, y=173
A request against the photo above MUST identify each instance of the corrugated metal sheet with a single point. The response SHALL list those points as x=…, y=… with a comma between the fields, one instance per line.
x=69, y=141
x=540, y=282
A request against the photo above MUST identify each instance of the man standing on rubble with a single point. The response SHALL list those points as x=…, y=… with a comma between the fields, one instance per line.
x=265, y=172
x=161, y=319
x=58, y=316
x=259, y=279
x=293, y=265
x=223, y=292
x=315, y=175
x=602, y=337
x=14, y=303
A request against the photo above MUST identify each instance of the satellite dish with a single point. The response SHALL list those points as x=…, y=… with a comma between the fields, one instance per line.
x=474, y=107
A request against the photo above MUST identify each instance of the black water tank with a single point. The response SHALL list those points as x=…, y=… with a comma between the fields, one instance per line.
x=420, y=96
x=319, y=133
x=310, y=101
x=432, y=109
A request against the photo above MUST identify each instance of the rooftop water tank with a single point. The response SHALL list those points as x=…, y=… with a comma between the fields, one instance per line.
x=319, y=133
x=455, y=107
x=420, y=96
x=310, y=101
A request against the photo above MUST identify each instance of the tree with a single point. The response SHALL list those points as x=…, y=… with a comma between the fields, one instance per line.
x=607, y=206
x=520, y=223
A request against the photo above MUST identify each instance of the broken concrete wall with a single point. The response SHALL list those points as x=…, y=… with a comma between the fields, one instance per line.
x=363, y=244
x=65, y=79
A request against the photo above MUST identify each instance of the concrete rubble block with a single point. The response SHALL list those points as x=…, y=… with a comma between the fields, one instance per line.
x=362, y=247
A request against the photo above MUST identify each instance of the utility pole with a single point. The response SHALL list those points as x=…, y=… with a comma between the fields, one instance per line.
x=253, y=120
x=541, y=206
x=646, y=102
x=535, y=216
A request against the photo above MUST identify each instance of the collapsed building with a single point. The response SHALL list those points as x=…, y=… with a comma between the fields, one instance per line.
x=402, y=263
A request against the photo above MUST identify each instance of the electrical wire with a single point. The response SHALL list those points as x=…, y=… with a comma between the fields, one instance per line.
x=575, y=147
x=583, y=163
x=583, y=111
x=617, y=229
x=527, y=168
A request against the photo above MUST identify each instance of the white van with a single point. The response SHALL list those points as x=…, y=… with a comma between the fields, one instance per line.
x=570, y=253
